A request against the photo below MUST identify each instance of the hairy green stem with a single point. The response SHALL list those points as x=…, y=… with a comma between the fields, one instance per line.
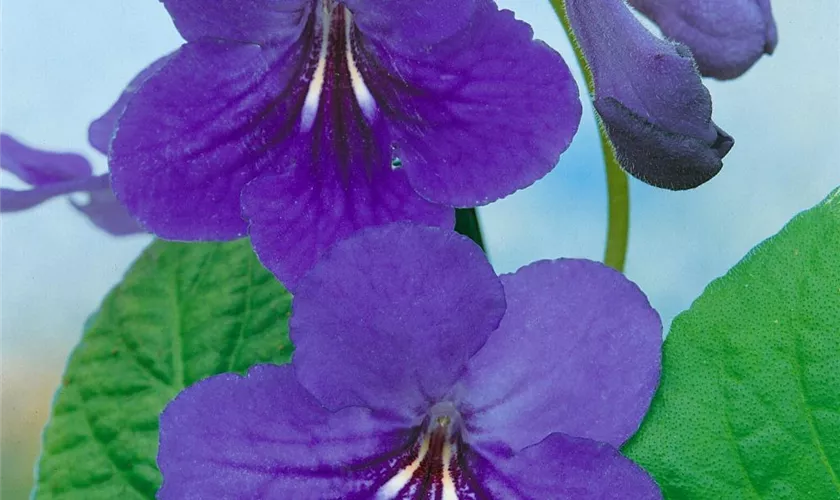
x=618, y=194
x=466, y=223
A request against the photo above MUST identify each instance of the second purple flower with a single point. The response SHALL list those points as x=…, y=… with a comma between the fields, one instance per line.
x=301, y=121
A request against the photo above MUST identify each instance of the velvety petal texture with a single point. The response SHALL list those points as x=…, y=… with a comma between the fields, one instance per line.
x=101, y=130
x=565, y=468
x=411, y=25
x=188, y=141
x=54, y=174
x=726, y=37
x=650, y=98
x=395, y=313
x=301, y=121
x=256, y=21
x=479, y=115
x=386, y=397
x=263, y=436
x=578, y=352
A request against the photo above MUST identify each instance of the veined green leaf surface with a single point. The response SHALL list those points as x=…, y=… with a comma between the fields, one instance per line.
x=182, y=313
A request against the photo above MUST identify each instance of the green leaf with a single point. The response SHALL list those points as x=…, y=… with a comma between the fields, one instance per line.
x=749, y=403
x=466, y=223
x=182, y=313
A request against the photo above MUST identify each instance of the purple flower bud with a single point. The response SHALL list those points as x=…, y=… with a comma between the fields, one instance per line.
x=650, y=98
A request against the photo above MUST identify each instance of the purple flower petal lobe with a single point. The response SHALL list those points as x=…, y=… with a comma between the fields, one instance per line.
x=101, y=130
x=38, y=167
x=189, y=139
x=57, y=174
x=294, y=222
x=578, y=352
x=564, y=467
x=649, y=97
x=254, y=21
x=411, y=25
x=105, y=212
x=726, y=37
x=264, y=436
x=395, y=312
x=479, y=115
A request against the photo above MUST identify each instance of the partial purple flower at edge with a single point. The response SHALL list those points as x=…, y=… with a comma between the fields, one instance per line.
x=293, y=113
x=58, y=174
x=418, y=369
x=726, y=37
x=650, y=98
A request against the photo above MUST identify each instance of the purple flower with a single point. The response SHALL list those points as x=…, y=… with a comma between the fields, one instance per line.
x=650, y=98
x=58, y=174
x=418, y=373
x=726, y=37
x=101, y=130
x=314, y=118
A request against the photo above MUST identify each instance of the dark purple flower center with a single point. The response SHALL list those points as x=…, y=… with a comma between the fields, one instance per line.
x=434, y=465
x=337, y=107
x=335, y=73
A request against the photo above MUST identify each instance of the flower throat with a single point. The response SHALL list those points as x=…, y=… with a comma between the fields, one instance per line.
x=336, y=70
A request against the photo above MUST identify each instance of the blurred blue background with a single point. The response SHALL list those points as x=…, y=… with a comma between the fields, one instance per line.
x=64, y=63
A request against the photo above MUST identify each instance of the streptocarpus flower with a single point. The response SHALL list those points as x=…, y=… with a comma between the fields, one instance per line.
x=650, y=98
x=101, y=130
x=54, y=174
x=726, y=37
x=418, y=373
x=296, y=113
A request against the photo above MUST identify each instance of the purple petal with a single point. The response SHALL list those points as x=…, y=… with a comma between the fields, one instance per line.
x=294, y=221
x=12, y=200
x=410, y=25
x=650, y=98
x=726, y=37
x=38, y=167
x=577, y=352
x=264, y=436
x=52, y=174
x=564, y=467
x=395, y=313
x=255, y=21
x=479, y=115
x=106, y=213
x=189, y=139
x=340, y=180
x=102, y=129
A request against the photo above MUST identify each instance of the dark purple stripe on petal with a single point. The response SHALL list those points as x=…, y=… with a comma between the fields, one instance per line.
x=338, y=177
x=264, y=436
